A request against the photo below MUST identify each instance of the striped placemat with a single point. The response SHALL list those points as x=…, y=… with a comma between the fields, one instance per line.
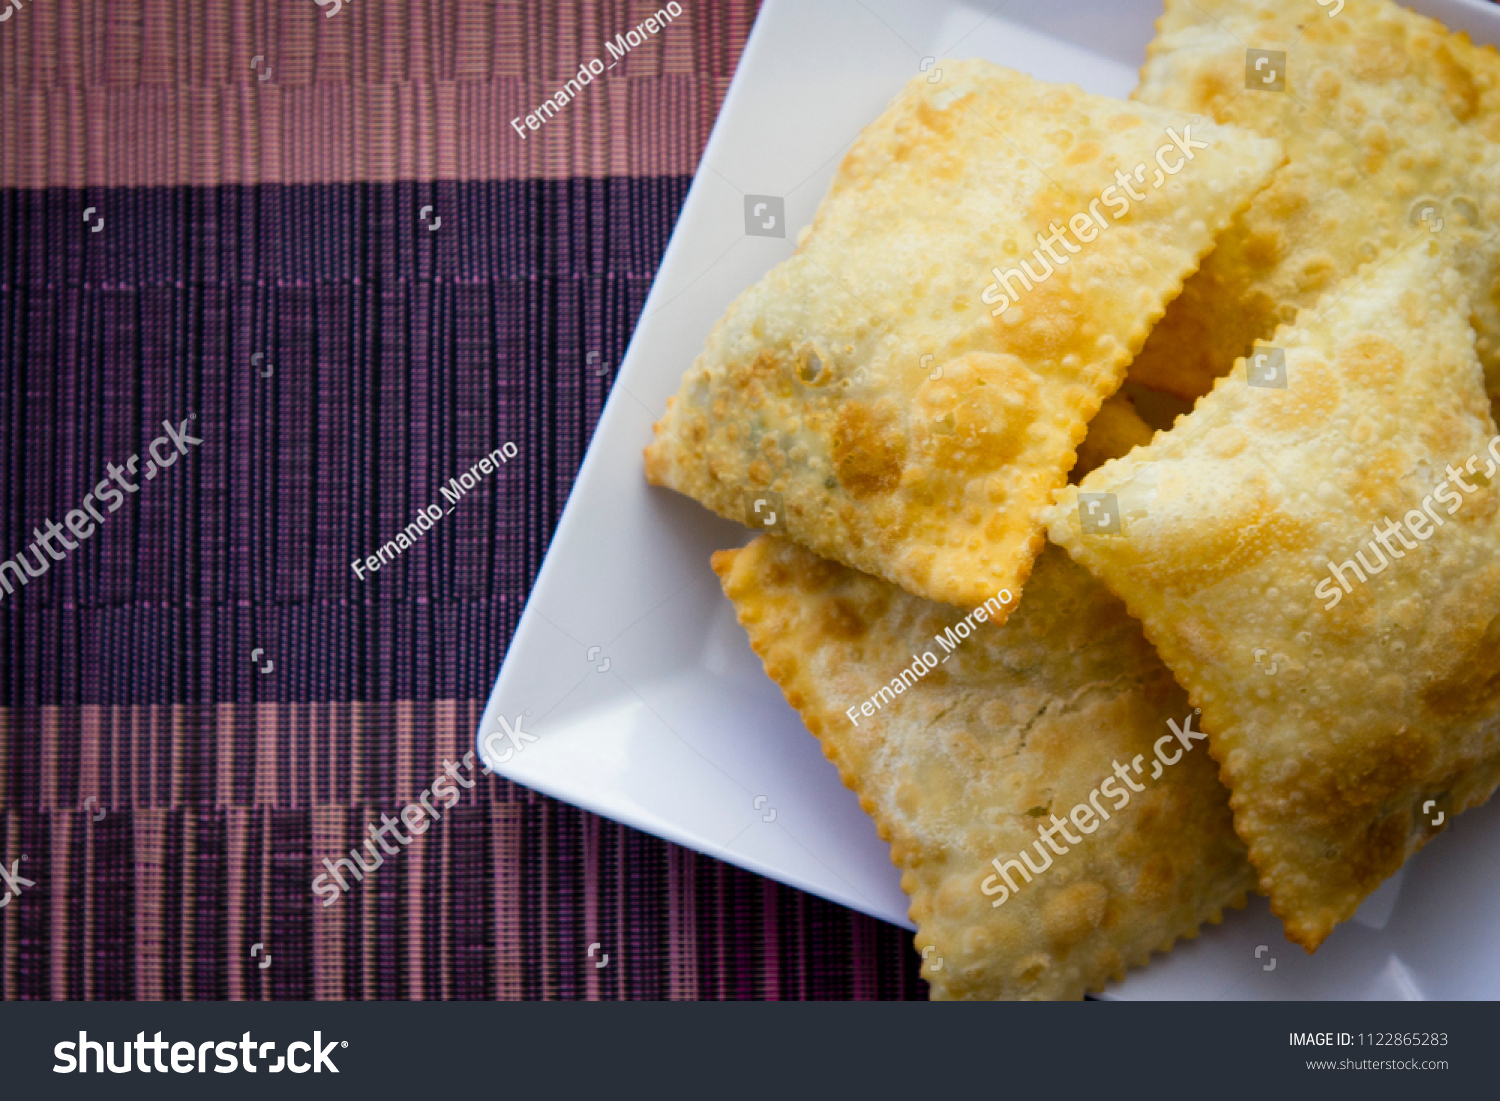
x=271, y=271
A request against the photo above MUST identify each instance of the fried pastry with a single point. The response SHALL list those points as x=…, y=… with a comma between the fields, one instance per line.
x=1113, y=432
x=1313, y=552
x=911, y=384
x=1389, y=121
x=968, y=766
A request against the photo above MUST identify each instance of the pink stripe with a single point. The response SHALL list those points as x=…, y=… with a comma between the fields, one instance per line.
x=267, y=771
x=411, y=777
x=224, y=756
x=184, y=720
x=381, y=92
x=52, y=739
x=91, y=718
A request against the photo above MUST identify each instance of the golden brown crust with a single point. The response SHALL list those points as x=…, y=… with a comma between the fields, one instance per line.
x=1383, y=111
x=907, y=431
x=1020, y=721
x=1116, y=429
x=1336, y=721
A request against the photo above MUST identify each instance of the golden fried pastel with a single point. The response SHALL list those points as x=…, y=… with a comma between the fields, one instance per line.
x=1313, y=551
x=913, y=381
x=975, y=770
x=1389, y=121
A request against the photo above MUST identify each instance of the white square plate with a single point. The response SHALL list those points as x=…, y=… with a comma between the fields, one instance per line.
x=628, y=667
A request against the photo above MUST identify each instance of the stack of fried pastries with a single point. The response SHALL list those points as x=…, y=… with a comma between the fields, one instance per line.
x=1265, y=644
